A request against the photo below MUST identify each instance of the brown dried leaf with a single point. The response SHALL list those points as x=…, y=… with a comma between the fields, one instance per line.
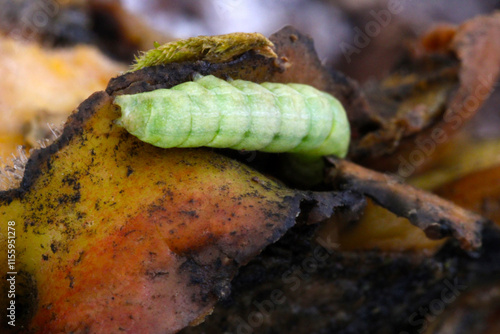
x=431, y=95
x=437, y=217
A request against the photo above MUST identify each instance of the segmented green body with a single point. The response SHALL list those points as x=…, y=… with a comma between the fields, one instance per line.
x=241, y=115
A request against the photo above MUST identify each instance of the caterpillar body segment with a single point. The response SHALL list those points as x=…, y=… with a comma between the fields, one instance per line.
x=321, y=117
x=295, y=118
x=205, y=114
x=265, y=116
x=241, y=115
x=233, y=114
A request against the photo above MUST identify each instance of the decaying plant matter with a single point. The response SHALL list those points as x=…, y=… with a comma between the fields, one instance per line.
x=439, y=86
x=437, y=217
x=114, y=234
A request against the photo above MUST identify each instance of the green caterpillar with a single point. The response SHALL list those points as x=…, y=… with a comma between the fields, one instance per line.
x=241, y=115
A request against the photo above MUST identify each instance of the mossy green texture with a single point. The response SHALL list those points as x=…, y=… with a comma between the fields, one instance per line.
x=215, y=49
x=242, y=115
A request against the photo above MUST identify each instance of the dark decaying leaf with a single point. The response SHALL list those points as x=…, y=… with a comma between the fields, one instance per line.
x=430, y=96
x=303, y=285
x=437, y=217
